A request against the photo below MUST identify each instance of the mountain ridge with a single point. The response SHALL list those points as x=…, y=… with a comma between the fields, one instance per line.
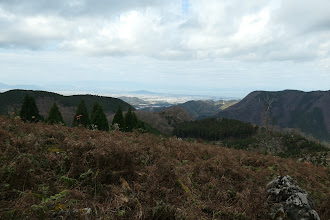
x=306, y=111
x=197, y=108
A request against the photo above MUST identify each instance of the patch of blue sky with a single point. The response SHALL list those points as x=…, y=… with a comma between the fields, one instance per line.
x=52, y=46
x=185, y=7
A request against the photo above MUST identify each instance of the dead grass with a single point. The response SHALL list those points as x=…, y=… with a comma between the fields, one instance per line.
x=52, y=171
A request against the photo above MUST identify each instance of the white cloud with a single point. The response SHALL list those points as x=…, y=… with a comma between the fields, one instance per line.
x=77, y=8
x=211, y=28
x=252, y=28
x=181, y=42
x=131, y=33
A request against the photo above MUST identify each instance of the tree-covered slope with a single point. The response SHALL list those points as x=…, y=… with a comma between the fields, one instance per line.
x=67, y=104
x=215, y=129
x=241, y=135
x=306, y=111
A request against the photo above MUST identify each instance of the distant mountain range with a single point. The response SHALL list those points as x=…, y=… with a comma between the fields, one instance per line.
x=206, y=108
x=12, y=100
x=199, y=109
x=135, y=101
x=7, y=87
x=145, y=92
x=307, y=111
x=165, y=120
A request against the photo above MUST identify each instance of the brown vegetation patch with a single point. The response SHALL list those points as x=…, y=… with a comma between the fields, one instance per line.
x=55, y=171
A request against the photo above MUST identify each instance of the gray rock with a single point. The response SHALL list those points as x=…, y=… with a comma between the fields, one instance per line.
x=277, y=212
x=290, y=200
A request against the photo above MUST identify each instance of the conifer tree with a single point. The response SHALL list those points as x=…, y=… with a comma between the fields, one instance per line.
x=29, y=110
x=81, y=116
x=130, y=120
x=119, y=119
x=94, y=110
x=98, y=118
x=140, y=125
x=54, y=116
x=135, y=119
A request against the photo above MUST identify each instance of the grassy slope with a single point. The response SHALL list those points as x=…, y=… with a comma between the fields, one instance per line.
x=47, y=170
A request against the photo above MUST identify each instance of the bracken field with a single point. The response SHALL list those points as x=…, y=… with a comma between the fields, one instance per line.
x=57, y=172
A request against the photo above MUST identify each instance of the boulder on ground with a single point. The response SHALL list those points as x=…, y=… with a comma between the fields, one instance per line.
x=289, y=200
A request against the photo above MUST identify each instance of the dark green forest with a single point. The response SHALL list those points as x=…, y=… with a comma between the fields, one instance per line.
x=214, y=129
x=245, y=136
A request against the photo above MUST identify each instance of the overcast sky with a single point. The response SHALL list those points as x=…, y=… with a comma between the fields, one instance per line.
x=217, y=47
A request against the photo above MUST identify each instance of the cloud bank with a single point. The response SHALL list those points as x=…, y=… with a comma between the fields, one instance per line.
x=208, y=46
x=242, y=30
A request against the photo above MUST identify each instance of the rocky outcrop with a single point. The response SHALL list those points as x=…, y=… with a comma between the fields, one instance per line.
x=289, y=200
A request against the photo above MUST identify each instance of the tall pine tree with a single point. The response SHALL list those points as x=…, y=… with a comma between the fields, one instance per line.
x=29, y=110
x=119, y=119
x=98, y=118
x=130, y=120
x=94, y=110
x=81, y=116
x=54, y=116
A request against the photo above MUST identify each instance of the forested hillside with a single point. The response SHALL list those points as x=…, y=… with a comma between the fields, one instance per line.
x=215, y=129
x=12, y=100
x=198, y=108
x=306, y=111
x=165, y=120
x=241, y=135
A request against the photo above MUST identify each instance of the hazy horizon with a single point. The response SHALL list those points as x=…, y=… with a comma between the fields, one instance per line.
x=143, y=94
x=215, y=48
